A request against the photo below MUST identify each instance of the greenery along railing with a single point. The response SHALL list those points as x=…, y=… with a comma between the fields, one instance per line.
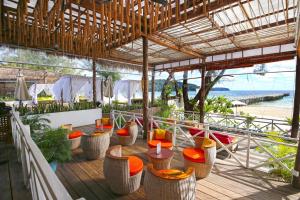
x=256, y=150
x=241, y=122
x=54, y=107
x=37, y=173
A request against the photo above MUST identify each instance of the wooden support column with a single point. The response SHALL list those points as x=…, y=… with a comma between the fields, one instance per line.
x=145, y=88
x=202, y=94
x=153, y=88
x=94, y=82
x=295, y=124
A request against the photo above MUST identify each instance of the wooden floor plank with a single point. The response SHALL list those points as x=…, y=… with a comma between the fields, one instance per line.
x=228, y=180
x=11, y=178
x=5, y=189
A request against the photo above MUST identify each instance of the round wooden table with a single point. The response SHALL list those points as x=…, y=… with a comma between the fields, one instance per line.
x=162, y=160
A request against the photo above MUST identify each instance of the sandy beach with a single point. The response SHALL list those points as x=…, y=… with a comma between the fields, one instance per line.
x=267, y=111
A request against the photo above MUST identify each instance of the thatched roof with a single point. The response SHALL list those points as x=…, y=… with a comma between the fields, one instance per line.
x=178, y=31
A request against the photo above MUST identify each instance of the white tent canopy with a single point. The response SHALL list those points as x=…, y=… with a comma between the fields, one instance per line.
x=36, y=89
x=68, y=88
x=127, y=88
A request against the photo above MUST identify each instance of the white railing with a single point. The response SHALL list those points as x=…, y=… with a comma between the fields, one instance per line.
x=37, y=173
x=259, y=124
x=253, y=146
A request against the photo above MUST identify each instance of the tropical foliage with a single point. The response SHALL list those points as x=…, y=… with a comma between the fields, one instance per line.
x=218, y=104
x=54, y=145
x=37, y=124
x=54, y=107
x=280, y=151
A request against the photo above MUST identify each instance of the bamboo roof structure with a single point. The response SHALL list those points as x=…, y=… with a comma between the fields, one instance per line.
x=182, y=34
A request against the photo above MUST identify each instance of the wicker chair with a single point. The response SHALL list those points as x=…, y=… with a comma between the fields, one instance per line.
x=95, y=145
x=107, y=124
x=128, y=134
x=201, y=157
x=117, y=171
x=166, y=142
x=159, y=186
x=74, y=137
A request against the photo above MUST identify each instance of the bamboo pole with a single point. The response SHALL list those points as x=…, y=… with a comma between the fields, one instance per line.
x=145, y=88
x=94, y=82
x=295, y=123
x=153, y=87
x=202, y=95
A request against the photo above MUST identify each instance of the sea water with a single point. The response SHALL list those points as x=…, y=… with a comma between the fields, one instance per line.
x=285, y=102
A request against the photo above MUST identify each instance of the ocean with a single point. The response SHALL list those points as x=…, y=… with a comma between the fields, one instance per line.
x=285, y=102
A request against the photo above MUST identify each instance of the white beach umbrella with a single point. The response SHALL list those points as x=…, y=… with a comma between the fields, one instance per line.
x=237, y=103
x=21, y=92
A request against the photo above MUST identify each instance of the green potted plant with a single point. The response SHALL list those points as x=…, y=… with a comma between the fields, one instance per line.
x=55, y=146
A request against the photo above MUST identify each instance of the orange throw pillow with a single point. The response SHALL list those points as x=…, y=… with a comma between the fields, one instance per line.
x=75, y=134
x=135, y=165
x=105, y=121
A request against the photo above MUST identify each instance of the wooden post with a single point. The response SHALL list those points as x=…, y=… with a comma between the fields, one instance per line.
x=94, y=82
x=153, y=88
x=202, y=95
x=145, y=86
x=295, y=124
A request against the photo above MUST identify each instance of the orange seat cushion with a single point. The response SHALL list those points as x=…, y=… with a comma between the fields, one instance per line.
x=164, y=143
x=122, y=132
x=194, y=155
x=135, y=165
x=107, y=126
x=75, y=134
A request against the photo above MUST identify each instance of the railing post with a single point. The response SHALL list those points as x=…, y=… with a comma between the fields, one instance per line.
x=174, y=133
x=272, y=127
x=248, y=150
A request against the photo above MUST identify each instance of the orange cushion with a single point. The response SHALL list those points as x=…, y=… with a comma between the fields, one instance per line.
x=122, y=132
x=135, y=165
x=194, y=154
x=164, y=143
x=107, y=126
x=75, y=134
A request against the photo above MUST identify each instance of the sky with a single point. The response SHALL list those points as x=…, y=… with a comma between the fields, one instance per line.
x=270, y=81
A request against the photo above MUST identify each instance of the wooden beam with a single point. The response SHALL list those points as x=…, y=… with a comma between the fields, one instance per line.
x=145, y=88
x=174, y=47
x=232, y=35
x=235, y=63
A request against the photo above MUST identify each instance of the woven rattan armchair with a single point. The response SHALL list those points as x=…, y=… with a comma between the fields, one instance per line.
x=202, y=157
x=158, y=186
x=128, y=134
x=117, y=171
x=95, y=145
x=166, y=142
x=74, y=137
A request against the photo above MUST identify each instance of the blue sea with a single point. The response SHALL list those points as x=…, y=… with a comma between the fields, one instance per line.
x=286, y=102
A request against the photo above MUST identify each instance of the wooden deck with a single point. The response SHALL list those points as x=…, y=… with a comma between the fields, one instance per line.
x=11, y=177
x=84, y=178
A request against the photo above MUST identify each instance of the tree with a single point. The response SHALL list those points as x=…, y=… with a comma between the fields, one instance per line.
x=211, y=78
x=115, y=75
x=168, y=87
x=40, y=58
